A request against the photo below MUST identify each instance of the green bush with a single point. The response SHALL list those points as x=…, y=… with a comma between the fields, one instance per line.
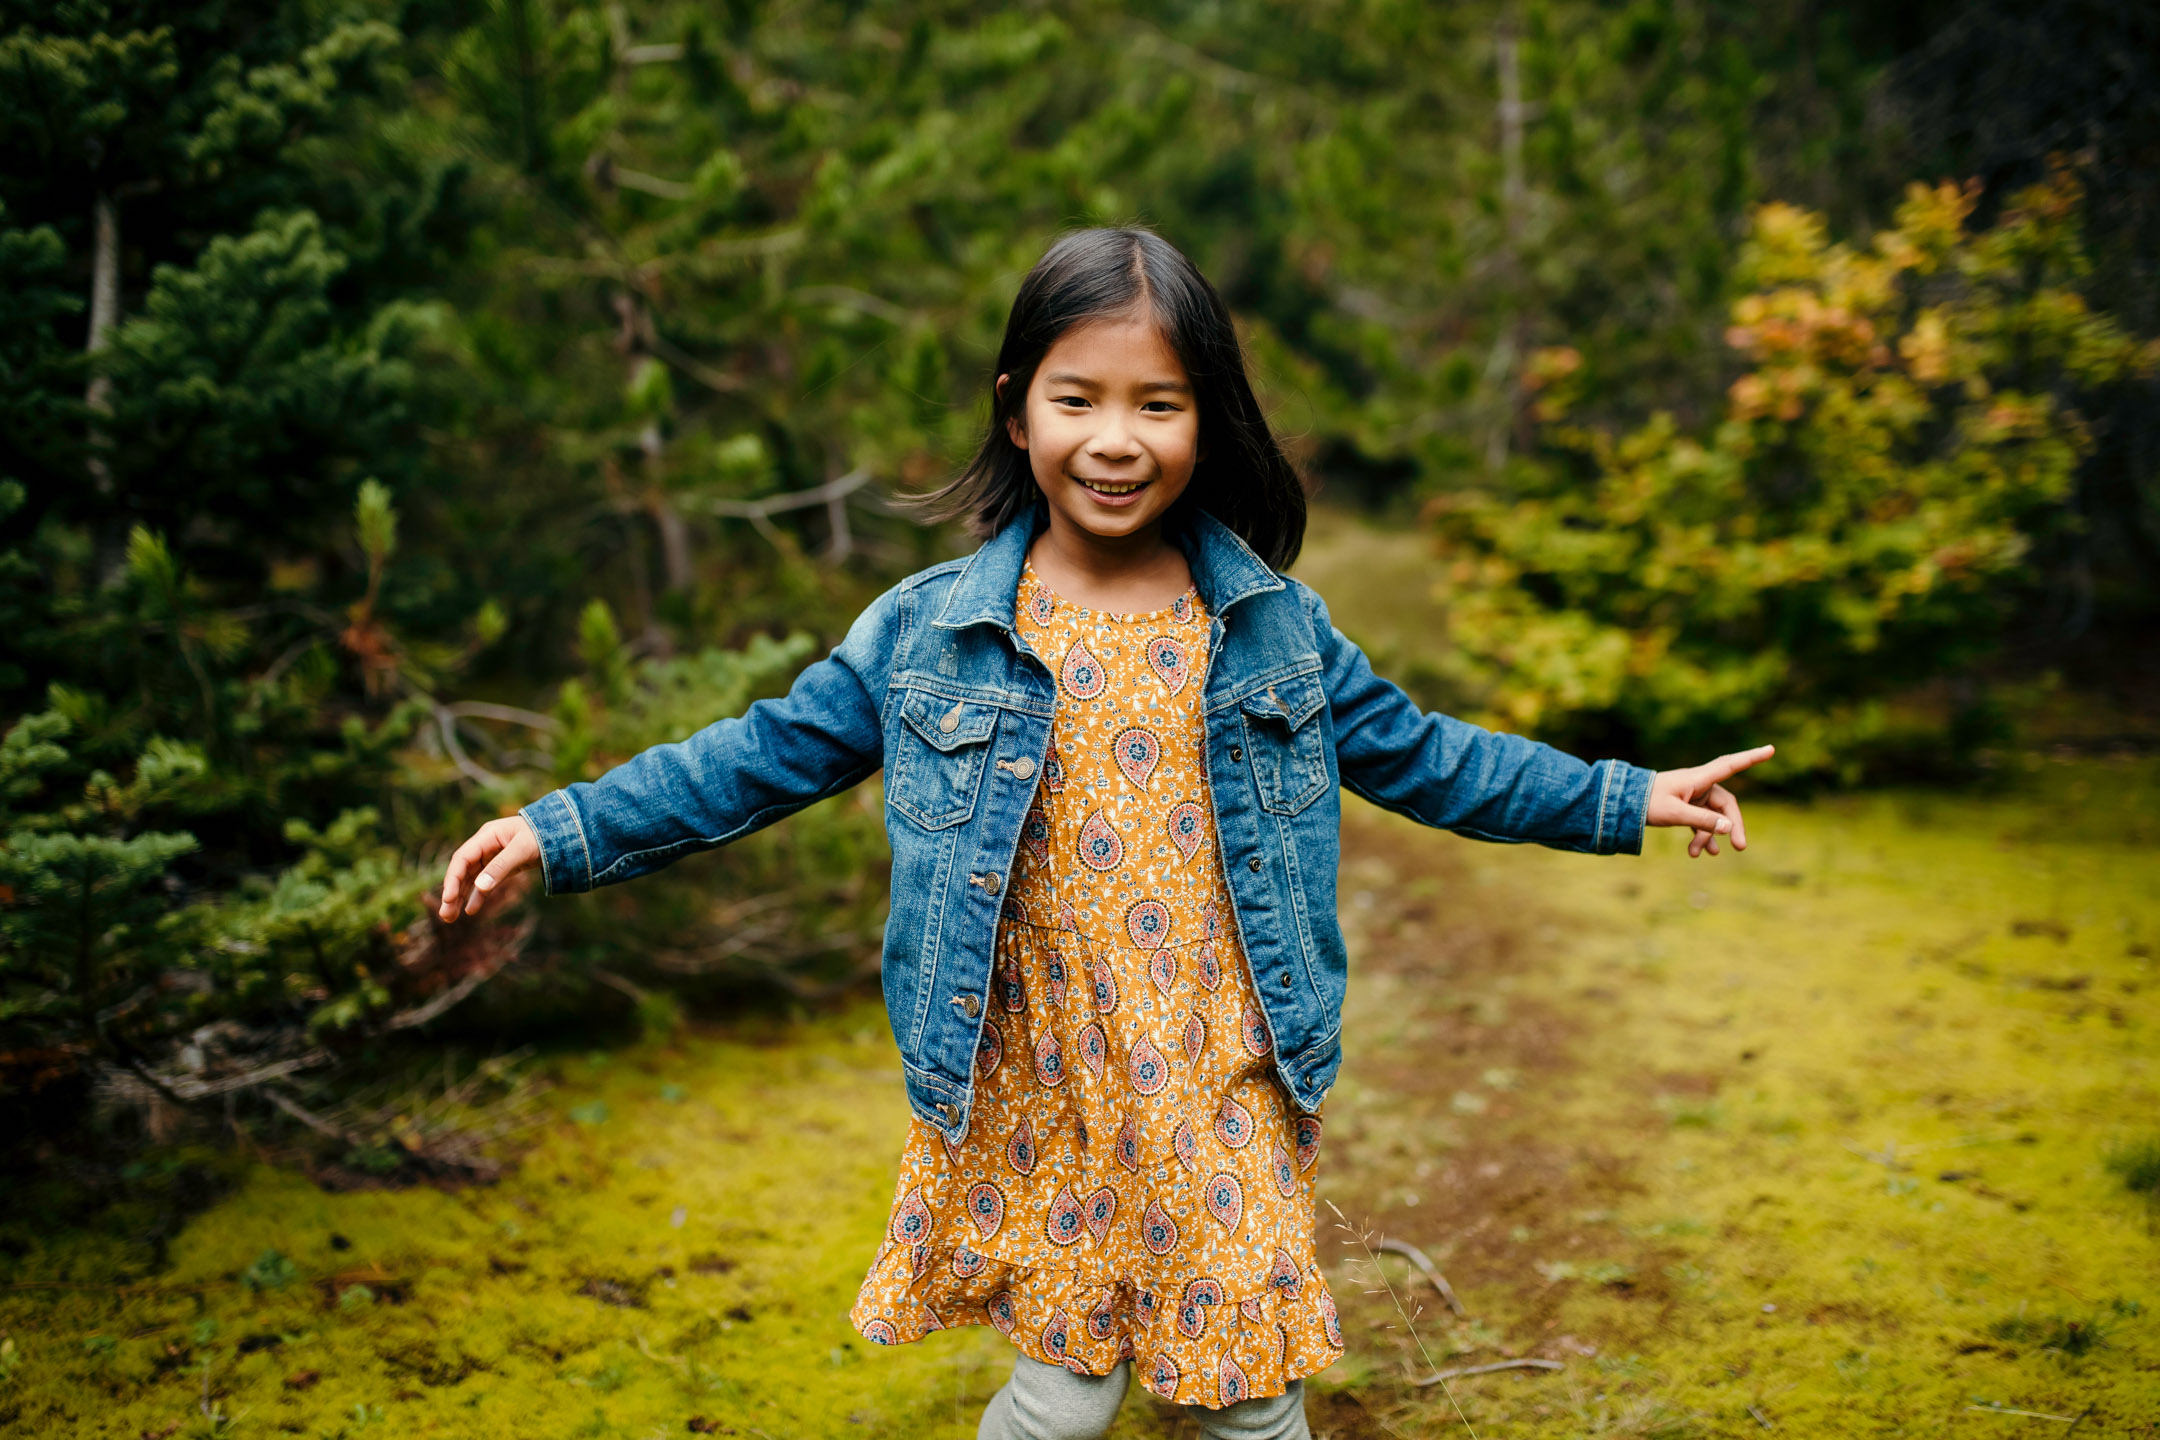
x=1856, y=528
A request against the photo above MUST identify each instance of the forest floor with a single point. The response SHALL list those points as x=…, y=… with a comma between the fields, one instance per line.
x=1808, y=1141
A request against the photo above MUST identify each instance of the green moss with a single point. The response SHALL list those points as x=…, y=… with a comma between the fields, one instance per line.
x=1833, y=1130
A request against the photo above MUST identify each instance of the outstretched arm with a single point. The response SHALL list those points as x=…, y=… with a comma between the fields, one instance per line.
x=730, y=778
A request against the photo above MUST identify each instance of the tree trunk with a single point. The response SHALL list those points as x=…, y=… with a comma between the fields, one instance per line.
x=104, y=315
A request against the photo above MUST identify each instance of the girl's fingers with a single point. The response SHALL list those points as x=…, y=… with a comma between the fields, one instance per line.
x=515, y=849
x=1728, y=805
x=1684, y=813
x=468, y=856
x=1727, y=766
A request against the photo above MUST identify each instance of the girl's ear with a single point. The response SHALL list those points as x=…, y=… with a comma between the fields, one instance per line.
x=1014, y=430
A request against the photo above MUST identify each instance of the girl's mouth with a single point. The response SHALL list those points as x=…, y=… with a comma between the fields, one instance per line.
x=1113, y=489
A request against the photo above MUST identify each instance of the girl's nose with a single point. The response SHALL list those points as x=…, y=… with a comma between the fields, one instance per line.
x=1113, y=437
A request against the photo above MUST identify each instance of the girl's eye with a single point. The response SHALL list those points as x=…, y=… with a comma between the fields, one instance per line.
x=1160, y=407
x=1073, y=400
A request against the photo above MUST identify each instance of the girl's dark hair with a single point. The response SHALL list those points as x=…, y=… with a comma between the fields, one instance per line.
x=1243, y=478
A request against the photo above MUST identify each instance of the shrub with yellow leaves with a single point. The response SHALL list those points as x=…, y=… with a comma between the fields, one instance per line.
x=1852, y=531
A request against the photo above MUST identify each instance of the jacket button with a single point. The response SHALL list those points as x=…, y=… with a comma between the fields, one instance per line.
x=989, y=882
x=1253, y=864
x=1023, y=768
x=1237, y=753
x=969, y=1005
x=1286, y=979
x=950, y=1111
x=950, y=721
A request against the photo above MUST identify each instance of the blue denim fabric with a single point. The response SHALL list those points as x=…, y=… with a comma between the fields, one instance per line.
x=933, y=686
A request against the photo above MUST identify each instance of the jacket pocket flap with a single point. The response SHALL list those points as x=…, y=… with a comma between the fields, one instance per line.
x=948, y=724
x=1293, y=701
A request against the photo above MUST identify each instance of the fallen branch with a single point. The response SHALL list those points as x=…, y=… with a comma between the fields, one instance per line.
x=2026, y=1414
x=310, y=1119
x=1430, y=1271
x=1498, y=1365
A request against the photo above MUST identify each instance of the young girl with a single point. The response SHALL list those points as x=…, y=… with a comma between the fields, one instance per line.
x=1112, y=740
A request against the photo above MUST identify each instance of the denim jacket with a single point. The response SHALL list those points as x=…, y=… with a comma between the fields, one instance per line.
x=933, y=686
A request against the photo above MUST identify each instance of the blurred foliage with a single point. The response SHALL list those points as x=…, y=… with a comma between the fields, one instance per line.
x=1860, y=524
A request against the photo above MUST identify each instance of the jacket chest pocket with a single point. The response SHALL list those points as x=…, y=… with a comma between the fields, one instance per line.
x=937, y=762
x=1285, y=743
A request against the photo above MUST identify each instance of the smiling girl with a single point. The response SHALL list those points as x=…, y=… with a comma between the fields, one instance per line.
x=1113, y=741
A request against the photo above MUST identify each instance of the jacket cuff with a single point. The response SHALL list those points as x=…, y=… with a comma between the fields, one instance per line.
x=1623, y=807
x=565, y=858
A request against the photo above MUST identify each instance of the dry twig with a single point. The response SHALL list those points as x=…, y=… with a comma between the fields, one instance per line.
x=1495, y=1367
x=1425, y=1266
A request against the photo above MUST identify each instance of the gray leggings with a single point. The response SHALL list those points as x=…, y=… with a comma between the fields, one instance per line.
x=1049, y=1402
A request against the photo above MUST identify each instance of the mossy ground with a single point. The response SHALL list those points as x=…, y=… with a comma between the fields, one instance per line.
x=1812, y=1138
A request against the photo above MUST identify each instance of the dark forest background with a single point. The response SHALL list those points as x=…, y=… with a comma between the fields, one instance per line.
x=407, y=408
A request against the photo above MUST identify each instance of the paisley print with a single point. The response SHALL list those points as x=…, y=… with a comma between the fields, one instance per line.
x=1101, y=1209
x=1284, y=1172
x=986, y=1207
x=1056, y=1333
x=1186, y=822
x=1065, y=1223
x=1093, y=1048
x=1233, y=1124
x=1167, y=659
x=1330, y=1318
x=1050, y=1059
x=1102, y=1320
x=1035, y=835
x=1054, y=977
x=1104, y=984
x=1138, y=752
x=1082, y=672
x=1143, y=1122
x=1148, y=922
x=910, y=1221
x=1100, y=848
x=1157, y=1230
x=1226, y=1200
x=1200, y=1296
x=1230, y=1383
x=1162, y=969
x=1186, y=1145
x=1146, y=1068
x=1284, y=1274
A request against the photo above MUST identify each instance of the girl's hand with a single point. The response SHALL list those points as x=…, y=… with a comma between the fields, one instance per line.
x=1694, y=798
x=503, y=847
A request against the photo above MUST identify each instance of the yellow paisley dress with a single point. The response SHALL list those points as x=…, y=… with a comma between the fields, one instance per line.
x=1134, y=1182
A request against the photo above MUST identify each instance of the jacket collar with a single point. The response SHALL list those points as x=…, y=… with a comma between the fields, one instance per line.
x=1224, y=570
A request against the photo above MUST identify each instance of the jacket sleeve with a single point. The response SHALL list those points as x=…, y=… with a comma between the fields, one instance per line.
x=1457, y=776
x=730, y=778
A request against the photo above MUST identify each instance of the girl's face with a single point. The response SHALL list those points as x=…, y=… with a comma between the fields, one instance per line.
x=1110, y=426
